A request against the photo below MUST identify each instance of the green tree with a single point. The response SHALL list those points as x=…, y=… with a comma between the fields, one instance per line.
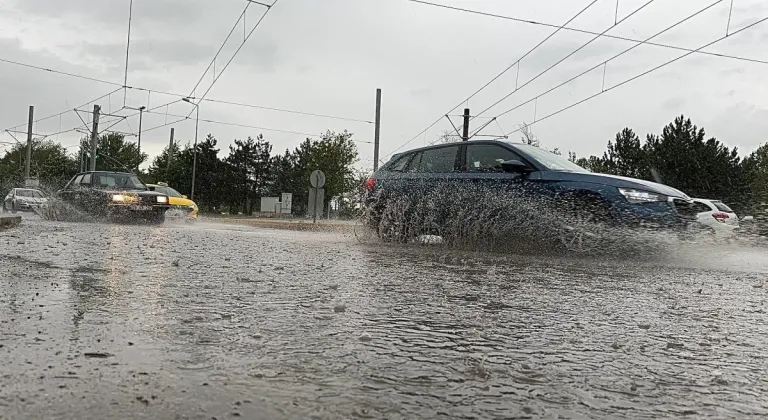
x=683, y=158
x=755, y=167
x=625, y=155
x=50, y=164
x=113, y=153
x=250, y=165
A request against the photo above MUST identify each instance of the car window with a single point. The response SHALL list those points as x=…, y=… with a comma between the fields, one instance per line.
x=172, y=193
x=38, y=194
x=399, y=164
x=699, y=207
x=440, y=160
x=75, y=182
x=415, y=163
x=24, y=193
x=86, y=179
x=488, y=157
x=722, y=207
x=121, y=181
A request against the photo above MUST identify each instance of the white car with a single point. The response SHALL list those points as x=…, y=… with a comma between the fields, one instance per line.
x=23, y=199
x=716, y=217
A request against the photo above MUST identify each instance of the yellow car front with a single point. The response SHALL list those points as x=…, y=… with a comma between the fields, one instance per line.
x=181, y=206
x=185, y=205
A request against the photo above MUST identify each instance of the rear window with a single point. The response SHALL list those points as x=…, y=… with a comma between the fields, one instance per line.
x=722, y=207
x=398, y=164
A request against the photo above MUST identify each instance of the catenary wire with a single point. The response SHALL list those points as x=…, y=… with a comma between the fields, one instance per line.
x=644, y=73
x=492, y=80
x=667, y=29
x=587, y=32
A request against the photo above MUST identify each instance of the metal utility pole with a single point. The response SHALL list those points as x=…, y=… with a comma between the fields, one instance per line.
x=94, y=136
x=29, y=143
x=377, y=131
x=465, y=131
x=194, y=152
x=141, y=114
x=194, y=159
x=170, y=155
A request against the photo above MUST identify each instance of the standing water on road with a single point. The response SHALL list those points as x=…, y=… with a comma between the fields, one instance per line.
x=213, y=321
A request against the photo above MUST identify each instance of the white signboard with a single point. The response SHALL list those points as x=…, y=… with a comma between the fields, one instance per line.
x=286, y=199
x=269, y=204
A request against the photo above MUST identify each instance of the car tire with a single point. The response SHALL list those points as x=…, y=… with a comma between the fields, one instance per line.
x=5, y=209
x=582, y=223
x=393, y=223
x=14, y=209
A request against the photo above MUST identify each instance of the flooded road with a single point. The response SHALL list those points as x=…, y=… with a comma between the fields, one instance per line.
x=217, y=321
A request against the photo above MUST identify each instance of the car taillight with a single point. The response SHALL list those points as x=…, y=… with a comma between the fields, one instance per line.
x=720, y=217
x=370, y=184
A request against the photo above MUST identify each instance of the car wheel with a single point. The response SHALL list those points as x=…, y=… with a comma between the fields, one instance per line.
x=14, y=209
x=5, y=209
x=393, y=223
x=581, y=228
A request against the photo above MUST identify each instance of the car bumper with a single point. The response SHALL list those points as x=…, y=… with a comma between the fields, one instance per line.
x=136, y=208
x=653, y=216
x=182, y=212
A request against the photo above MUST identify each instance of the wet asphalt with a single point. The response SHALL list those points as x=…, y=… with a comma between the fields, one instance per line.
x=215, y=321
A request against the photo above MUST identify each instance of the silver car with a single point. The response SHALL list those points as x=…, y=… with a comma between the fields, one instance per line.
x=23, y=199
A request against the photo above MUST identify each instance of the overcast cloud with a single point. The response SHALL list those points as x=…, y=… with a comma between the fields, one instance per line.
x=329, y=56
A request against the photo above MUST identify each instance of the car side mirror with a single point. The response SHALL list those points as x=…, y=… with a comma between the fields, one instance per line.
x=515, y=166
x=184, y=197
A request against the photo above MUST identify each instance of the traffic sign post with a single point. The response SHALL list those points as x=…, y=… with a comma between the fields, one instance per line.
x=316, y=193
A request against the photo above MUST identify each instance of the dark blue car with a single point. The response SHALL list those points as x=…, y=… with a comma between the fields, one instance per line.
x=446, y=182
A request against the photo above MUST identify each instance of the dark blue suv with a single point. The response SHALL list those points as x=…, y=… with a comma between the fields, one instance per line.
x=447, y=181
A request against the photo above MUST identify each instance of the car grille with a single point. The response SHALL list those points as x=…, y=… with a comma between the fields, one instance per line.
x=148, y=200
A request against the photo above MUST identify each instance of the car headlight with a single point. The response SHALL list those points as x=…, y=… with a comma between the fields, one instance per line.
x=162, y=199
x=119, y=198
x=640, y=196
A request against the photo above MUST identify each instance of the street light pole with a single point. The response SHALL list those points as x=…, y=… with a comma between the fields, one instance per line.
x=194, y=153
x=141, y=114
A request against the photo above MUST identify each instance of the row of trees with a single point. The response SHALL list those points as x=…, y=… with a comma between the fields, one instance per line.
x=683, y=157
x=234, y=183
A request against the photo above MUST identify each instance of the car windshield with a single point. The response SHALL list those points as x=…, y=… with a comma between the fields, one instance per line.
x=24, y=193
x=550, y=160
x=170, y=192
x=118, y=181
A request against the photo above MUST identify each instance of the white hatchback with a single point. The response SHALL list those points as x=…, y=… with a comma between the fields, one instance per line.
x=716, y=217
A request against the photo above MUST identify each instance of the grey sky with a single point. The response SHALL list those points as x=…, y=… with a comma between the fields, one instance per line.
x=329, y=56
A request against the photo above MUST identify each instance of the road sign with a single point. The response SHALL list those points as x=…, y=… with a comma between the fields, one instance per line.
x=317, y=179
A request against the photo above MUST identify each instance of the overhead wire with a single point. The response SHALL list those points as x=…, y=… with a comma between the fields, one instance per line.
x=709, y=44
x=493, y=79
x=586, y=32
x=242, y=44
x=213, y=61
x=183, y=118
x=545, y=71
x=663, y=31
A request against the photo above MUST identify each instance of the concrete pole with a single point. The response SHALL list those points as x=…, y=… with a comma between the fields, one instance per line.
x=194, y=159
x=377, y=131
x=170, y=156
x=94, y=136
x=465, y=133
x=29, y=144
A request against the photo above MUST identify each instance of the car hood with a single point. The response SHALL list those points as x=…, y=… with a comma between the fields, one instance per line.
x=622, y=182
